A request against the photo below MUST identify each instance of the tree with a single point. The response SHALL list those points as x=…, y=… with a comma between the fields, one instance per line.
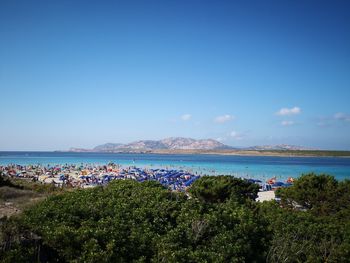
x=128, y=221
x=320, y=194
x=300, y=236
x=315, y=226
x=220, y=188
x=215, y=232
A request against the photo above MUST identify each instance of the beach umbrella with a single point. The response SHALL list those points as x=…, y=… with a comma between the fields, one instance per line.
x=278, y=184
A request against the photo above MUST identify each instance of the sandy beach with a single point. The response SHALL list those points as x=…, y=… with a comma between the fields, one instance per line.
x=266, y=196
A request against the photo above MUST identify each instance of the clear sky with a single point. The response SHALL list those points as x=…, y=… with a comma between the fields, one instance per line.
x=82, y=73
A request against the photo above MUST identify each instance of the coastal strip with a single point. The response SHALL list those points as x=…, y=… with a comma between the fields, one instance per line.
x=86, y=176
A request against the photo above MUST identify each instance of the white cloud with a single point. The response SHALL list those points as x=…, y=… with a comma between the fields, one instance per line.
x=236, y=135
x=289, y=111
x=342, y=116
x=287, y=123
x=223, y=118
x=186, y=117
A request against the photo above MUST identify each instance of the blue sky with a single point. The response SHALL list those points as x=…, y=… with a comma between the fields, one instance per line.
x=82, y=73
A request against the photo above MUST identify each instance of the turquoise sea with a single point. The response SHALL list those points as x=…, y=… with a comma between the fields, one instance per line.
x=259, y=167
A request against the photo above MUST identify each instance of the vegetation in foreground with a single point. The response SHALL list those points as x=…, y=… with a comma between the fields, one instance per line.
x=19, y=194
x=128, y=221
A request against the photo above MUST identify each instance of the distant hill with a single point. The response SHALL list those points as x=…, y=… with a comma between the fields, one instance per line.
x=145, y=145
x=186, y=144
x=107, y=147
x=173, y=143
x=279, y=147
x=178, y=143
x=78, y=150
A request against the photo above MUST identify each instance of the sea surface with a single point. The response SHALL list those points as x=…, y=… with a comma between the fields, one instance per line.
x=259, y=167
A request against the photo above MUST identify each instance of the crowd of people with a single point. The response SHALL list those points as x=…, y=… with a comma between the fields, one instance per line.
x=88, y=175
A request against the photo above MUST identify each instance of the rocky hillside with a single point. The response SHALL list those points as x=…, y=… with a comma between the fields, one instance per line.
x=107, y=147
x=145, y=145
x=174, y=143
x=279, y=147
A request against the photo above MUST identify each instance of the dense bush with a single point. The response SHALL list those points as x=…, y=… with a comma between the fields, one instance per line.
x=299, y=236
x=128, y=221
x=313, y=222
x=5, y=181
x=220, y=188
x=320, y=195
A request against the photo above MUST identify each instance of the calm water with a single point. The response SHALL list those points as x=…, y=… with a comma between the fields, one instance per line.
x=261, y=167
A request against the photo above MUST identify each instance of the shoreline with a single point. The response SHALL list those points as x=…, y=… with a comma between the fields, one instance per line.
x=90, y=175
x=327, y=154
x=250, y=153
x=208, y=163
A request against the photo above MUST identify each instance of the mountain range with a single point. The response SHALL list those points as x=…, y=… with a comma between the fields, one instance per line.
x=280, y=147
x=178, y=143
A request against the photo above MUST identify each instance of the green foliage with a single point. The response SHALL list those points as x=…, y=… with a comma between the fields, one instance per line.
x=28, y=184
x=224, y=232
x=11, y=193
x=5, y=181
x=37, y=187
x=320, y=194
x=128, y=221
x=300, y=236
x=118, y=222
x=21, y=245
x=215, y=189
x=315, y=227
